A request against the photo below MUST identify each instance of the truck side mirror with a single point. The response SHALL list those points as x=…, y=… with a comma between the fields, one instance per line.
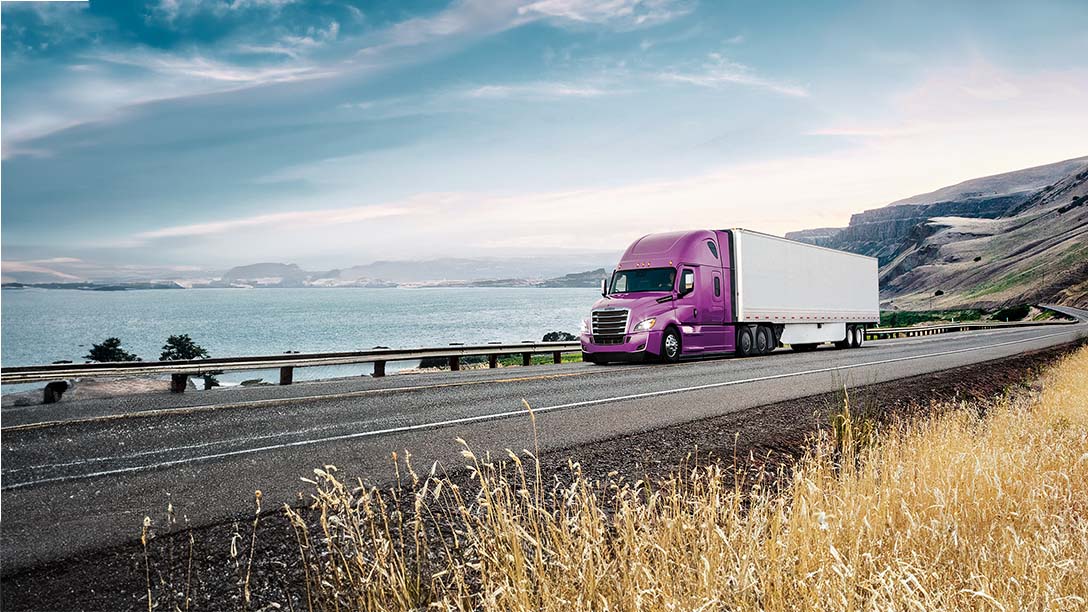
x=687, y=282
x=604, y=287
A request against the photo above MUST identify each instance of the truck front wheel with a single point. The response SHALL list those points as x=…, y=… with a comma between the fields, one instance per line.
x=671, y=346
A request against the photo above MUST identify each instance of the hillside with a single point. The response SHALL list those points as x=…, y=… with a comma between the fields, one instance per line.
x=1010, y=238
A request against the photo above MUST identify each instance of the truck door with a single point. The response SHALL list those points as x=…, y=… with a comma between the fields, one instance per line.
x=712, y=309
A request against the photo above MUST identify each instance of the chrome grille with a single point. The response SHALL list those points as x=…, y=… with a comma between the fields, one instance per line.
x=609, y=326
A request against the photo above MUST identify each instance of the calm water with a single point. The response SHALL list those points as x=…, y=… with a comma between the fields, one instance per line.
x=41, y=326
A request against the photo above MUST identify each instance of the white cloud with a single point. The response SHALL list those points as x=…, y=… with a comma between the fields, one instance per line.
x=721, y=72
x=955, y=105
x=202, y=68
x=536, y=90
x=623, y=13
x=168, y=11
x=292, y=219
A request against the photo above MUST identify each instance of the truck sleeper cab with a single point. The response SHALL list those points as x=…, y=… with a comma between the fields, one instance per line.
x=681, y=294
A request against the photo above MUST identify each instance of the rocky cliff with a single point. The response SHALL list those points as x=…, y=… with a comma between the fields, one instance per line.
x=1009, y=238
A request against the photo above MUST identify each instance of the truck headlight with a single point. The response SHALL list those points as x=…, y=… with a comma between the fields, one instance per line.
x=646, y=325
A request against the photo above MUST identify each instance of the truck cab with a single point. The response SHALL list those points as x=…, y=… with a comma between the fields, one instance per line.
x=669, y=295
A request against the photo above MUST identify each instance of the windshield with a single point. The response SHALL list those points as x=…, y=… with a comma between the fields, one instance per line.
x=650, y=279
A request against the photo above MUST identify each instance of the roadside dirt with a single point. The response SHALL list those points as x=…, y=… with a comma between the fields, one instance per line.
x=770, y=435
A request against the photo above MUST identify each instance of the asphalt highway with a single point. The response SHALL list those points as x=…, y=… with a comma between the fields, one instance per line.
x=79, y=476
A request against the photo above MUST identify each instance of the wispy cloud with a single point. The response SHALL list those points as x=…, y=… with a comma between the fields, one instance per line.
x=623, y=13
x=536, y=90
x=722, y=72
x=203, y=68
x=169, y=11
x=332, y=216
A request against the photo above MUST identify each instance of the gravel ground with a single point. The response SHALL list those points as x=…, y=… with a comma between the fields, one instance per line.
x=114, y=579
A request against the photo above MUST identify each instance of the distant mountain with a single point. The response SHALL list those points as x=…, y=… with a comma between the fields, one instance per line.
x=283, y=275
x=92, y=286
x=1005, y=239
x=581, y=279
x=477, y=269
x=515, y=272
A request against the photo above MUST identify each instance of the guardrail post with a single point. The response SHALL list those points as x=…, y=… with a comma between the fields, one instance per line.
x=492, y=361
x=379, y=369
x=178, y=382
x=557, y=357
x=287, y=375
x=526, y=359
x=455, y=363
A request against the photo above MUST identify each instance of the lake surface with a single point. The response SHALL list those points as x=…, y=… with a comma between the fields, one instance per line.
x=41, y=326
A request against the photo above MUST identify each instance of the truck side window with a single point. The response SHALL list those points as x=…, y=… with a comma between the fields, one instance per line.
x=717, y=287
x=713, y=248
x=687, y=281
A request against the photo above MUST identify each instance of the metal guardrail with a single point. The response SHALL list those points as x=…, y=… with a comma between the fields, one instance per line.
x=57, y=374
x=876, y=333
x=287, y=362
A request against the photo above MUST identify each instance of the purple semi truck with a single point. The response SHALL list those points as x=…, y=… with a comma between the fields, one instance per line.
x=683, y=294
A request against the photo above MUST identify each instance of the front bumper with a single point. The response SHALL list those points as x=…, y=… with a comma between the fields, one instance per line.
x=637, y=343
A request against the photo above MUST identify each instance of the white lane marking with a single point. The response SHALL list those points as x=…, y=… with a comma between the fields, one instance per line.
x=510, y=413
x=292, y=400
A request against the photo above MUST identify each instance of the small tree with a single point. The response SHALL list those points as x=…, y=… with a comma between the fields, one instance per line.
x=938, y=293
x=109, y=350
x=182, y=347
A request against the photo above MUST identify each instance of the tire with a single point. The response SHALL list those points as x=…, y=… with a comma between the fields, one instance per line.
x=861, y=337
x=746, y=343
x=671, y=346
x=768, y=344
x=588, y=358
x=848, y=341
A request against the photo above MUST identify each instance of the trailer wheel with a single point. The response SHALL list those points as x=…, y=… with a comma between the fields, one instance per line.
x=671, y=346
x=848, y=341
x=861, y=336
x=745, y=341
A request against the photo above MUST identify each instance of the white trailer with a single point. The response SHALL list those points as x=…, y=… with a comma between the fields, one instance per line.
x=814, y=293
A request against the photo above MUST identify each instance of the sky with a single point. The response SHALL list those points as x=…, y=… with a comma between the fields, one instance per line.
x=174, y=137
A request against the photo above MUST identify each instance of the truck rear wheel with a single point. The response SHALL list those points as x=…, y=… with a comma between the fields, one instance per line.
x=671, y=345
x=765, y=341
x=745, y=341
x=860, y=336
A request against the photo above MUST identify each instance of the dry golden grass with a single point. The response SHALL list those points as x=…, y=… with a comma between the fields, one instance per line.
x=958, y=512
